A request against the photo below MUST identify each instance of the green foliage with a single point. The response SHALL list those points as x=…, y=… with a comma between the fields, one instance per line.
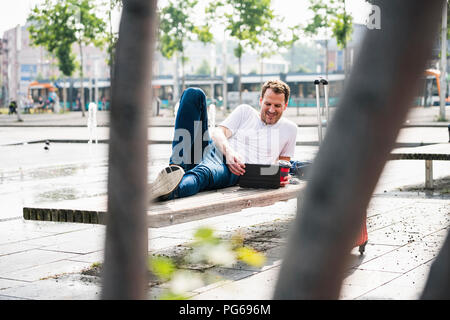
x=162, y=267
x=207, y=249
x=245, y=20
x=205, y=235
x=250, y=256
x=448, y=21
x=57, y=25
x=342, y=28
x=330, y=16
x=176, y=26
x=66, y=60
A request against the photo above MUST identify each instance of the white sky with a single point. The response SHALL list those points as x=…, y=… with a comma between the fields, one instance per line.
x=13, y=12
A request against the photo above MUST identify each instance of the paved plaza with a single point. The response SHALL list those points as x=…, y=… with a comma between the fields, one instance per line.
x=45, y=260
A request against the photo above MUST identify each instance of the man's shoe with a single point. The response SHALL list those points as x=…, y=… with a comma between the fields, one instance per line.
x=167, y=181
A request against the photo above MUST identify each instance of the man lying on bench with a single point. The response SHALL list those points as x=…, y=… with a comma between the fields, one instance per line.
x=203, y=162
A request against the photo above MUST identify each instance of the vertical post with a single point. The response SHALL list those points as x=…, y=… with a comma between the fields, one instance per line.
x=325, y=90
x=225, y=73
x=443, y=78
x=96, y=81
x=17, y=68
x=176, y=83
x=319, y=120
x=327, y=106
x=213, y=66
x=428, y=174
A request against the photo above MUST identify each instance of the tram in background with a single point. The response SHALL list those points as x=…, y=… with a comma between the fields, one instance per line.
x=302, y=88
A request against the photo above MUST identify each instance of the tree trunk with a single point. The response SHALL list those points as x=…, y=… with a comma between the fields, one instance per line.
x=183, y=78
x=262, y=71
x=111, y=59
x=126, y=248
x=81, y=79
x=348, y=165
x=326, y=59
x=225, y=75
x=176, y=83
x=240, y=80
x=64, y=95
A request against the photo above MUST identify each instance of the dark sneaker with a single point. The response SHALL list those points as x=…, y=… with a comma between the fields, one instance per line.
x=167, y=181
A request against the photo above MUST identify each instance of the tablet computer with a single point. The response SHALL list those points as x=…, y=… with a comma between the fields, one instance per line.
x=260, y=176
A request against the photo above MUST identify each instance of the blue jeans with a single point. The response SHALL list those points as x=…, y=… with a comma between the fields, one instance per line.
x=192, y=149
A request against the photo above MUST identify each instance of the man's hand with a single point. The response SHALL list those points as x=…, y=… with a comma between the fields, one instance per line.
x=235, y=163
x=285, y=180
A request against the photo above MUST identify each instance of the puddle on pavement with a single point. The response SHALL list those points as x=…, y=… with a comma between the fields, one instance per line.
x=47, y=173
x=58, y=195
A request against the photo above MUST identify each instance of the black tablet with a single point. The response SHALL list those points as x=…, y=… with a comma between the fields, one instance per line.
x=260, y=176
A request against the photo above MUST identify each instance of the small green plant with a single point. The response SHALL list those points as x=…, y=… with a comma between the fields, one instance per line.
x=207, y=249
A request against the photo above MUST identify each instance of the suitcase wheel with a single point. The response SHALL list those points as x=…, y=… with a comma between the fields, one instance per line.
x=362, y=247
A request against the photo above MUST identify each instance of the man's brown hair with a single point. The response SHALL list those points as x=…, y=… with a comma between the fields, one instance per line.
x=278, y=87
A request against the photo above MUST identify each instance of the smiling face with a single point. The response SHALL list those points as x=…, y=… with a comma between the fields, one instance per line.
x=272, y=106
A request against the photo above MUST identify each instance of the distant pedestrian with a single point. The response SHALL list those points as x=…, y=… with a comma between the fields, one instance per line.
x=78, y=102
x=40, y=105
x=13, y=107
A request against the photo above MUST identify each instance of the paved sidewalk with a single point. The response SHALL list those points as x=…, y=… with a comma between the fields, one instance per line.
x=44, y=260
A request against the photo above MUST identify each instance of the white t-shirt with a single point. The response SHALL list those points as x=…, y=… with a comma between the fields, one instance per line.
x=256, y=141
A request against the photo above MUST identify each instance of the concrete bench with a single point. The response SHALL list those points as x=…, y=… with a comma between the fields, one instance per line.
x=428, y=153
x=203, y=205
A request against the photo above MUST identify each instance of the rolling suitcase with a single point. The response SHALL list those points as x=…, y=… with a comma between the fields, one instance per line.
x=363, y=237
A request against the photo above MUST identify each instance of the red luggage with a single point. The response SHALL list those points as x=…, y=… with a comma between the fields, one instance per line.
x=362, y=239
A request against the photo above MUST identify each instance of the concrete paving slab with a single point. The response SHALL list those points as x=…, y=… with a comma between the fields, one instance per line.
x=400, y=260
x=372, y=251
x=9, y=283
x=408, y=286
x=79, y=242
x=25, y=260
x=358, y=283
x=45, y=270
x=9, y=248
x=93, y=257
x=68, y=287
x=257, y=287
x=12, y=236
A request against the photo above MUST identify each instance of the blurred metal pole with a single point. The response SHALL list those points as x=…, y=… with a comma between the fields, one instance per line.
x=17, y=69
x=225, y=74
x=443, y=78
x=126, y=248
x=319, y=118
x=377, y=97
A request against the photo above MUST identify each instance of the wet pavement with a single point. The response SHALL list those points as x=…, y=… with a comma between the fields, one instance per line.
x=44, y=260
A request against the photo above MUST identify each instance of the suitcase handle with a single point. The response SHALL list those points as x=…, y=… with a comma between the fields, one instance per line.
x=321, y=81
x=317, y=83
